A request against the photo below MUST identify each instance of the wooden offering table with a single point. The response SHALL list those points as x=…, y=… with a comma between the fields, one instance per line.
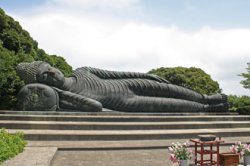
x=203, y=151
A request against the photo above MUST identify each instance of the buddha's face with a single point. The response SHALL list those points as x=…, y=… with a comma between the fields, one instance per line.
x=49, y=75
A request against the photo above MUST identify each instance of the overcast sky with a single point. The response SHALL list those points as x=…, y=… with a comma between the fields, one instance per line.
x=139, y=35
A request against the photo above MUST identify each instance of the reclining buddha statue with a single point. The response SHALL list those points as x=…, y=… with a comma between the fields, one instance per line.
x=90, y=89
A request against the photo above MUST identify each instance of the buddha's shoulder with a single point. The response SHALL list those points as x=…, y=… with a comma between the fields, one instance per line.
x=86, y=68
x=82, y=72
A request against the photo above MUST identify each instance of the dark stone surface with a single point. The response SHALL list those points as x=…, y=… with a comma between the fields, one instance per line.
x=91, y=89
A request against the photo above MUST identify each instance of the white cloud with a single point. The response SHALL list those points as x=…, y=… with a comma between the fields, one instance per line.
x=87, y=39
x=93, y=3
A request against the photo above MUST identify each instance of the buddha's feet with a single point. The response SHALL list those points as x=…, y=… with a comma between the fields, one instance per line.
x=216, y=99
x=223, y=107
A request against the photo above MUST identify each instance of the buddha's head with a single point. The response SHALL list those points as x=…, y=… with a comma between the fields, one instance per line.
x=40, y=72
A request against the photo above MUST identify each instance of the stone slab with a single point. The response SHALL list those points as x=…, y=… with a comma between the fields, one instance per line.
x=112, y=158
x=33, y=156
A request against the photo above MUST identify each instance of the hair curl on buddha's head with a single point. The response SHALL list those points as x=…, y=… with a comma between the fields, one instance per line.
x=28, y=71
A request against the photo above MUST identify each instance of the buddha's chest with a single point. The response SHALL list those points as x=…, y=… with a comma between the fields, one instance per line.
x=98, y=88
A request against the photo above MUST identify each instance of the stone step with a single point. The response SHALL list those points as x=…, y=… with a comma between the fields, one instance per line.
x=122, y=118
x=128, y=134
x=65, y=125
x=107, y=112
x=126, y=144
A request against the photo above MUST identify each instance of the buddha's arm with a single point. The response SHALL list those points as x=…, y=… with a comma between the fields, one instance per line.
x=71, y=100
x=105, y=74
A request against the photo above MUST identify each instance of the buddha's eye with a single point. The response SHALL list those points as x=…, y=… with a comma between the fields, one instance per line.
x=45, y=75
x=52, y=73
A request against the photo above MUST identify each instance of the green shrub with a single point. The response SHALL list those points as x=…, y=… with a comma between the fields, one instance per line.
x=236, y=102
x=244, y=110
x=10, y=144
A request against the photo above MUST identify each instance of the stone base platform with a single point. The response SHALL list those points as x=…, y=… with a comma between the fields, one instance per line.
x=113, y=133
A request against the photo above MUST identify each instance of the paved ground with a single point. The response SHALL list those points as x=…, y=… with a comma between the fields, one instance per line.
x=41, y=156
x=152, y=157
x=101, y=153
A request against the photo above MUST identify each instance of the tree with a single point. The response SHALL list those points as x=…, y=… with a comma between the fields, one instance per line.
x=246, y=82
x=17, y=46
x=192, y=78
x=9, y=81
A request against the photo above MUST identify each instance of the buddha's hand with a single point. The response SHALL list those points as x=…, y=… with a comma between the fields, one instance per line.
x=69, y=100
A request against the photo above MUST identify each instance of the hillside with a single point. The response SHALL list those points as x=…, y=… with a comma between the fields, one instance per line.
x=16, y=45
